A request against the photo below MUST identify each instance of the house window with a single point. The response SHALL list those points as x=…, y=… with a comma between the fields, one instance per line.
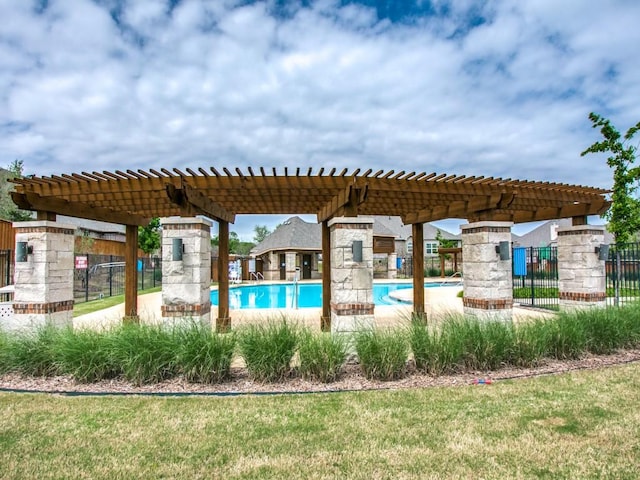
x=409, y=247
x=430, y=248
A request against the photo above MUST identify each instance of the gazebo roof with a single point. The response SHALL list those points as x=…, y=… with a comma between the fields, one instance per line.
x=133, y=197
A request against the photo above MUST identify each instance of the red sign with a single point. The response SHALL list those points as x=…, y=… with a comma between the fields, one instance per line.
x=82, y=263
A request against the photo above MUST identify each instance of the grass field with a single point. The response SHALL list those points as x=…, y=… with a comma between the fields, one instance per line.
x=578, y=425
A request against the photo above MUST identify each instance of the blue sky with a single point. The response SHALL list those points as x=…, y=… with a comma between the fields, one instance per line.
x=492, y=88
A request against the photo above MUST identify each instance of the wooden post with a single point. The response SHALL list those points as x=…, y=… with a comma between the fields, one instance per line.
x=418, y=270
x=223, y=322
x=325, y=320
x=131, y=275
x=581, y=220
x=40, y=215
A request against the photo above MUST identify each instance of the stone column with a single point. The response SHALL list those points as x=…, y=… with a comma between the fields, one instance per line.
x=392, y=266
x=581, y=275
x=488, y=284
x=44, y=282
x=352, y=306
x=290, y=260
x=186, y=293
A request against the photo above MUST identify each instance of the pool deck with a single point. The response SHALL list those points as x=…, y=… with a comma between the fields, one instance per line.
x=439, y=301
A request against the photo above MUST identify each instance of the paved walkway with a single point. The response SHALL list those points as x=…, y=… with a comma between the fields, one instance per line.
x=439, y=301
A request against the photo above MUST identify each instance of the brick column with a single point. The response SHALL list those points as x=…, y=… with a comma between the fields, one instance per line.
x=392, y=266
x=186, y=294
x=44, y=282
x=488, y=284
x=581, y=275
x=352, y=305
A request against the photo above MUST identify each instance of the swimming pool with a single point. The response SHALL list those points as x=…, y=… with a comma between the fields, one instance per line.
x=281, y=295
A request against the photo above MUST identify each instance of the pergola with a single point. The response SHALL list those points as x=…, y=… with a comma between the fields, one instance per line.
x=132, y=198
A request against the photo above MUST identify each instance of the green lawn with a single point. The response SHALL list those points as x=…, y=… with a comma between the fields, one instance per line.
x=101, y=304
x=577, y=425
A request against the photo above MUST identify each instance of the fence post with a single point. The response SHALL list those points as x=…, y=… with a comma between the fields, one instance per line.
x=86, y=281
x=111, y=275
x=618, y=279
x=533, y=278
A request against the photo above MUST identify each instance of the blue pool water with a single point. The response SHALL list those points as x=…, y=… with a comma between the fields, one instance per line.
x=281, y=295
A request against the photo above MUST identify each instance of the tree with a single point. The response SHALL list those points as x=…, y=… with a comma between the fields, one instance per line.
x=443, y=242
x=624, y=214
x=260, y=233
x=236, y=246
x=8, y=209
x=149, y=236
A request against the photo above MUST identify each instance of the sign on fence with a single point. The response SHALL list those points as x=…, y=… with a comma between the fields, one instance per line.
x=82, y=263
x=520, y=261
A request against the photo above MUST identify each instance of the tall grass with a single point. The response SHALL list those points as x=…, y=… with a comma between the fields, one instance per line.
x=204, y=356
x=321, y=355
x=145, y=353
x=268, y=349
x=35, y=353
x=383, y=354
x=87, y=355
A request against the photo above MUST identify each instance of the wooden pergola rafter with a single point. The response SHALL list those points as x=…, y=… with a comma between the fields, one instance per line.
x=133, y=197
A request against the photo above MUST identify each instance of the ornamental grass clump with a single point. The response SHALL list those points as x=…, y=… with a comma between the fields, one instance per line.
x=382, y=354
x=566, y=337
x=4, y=352
x=35, y=354
x=145, y=353
x=530, y=343
x=87, y=355
x=267, y=350
x=204, y=356
x=322, y=355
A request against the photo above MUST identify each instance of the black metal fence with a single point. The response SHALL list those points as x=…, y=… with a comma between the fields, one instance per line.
x=104, y=276
x=535, y=277
x=623, y=273
x=6, y=273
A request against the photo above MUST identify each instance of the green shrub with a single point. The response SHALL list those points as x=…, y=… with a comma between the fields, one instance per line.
x=382, y=354
x=145, y=353
x=35, y=353
x=426, y=345
x=268, y=349
x=322, y=355
x=87, y=355
x=203, y=355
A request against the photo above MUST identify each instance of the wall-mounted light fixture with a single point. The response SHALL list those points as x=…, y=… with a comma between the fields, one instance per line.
x=178, y=249
x=603, y=251
x=356, y=250
x=22, y=250
x=503, y=249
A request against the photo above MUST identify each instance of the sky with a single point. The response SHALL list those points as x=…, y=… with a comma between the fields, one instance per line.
x=493, y=88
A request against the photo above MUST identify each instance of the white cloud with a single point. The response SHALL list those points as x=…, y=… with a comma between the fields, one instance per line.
x=503, y=89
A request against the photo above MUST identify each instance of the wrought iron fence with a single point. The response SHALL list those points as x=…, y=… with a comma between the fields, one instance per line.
x=104, y=276
x=535, y=277
x=623, y=273
x=6, y=273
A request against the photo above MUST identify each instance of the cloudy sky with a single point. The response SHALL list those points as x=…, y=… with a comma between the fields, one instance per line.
x=494, y=88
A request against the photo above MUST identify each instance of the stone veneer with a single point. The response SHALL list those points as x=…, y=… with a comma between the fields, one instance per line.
x=186, y=293
x=581, y=275
x=352, y=306
x=44, y=283
x=392, y=266
x=488, y=285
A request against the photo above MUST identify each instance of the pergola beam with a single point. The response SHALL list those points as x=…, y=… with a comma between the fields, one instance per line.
x=459, y=209
x=345, y=203
x=192, y=201
x=33, y=201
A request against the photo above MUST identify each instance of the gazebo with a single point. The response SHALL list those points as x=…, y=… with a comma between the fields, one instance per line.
x=337, y=198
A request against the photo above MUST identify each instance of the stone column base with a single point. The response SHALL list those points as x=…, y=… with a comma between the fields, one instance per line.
x=580, y=301
x=24, y=320
x=488, y=310
x=350, y=318
x=186, y=314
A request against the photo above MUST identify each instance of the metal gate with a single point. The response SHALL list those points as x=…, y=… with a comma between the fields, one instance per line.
x=535, y=277
x=623, y=273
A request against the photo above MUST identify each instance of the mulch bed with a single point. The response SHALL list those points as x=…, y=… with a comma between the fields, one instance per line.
x=351, y=380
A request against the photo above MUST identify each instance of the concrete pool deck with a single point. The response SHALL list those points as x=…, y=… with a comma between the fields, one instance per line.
x=439, y=301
